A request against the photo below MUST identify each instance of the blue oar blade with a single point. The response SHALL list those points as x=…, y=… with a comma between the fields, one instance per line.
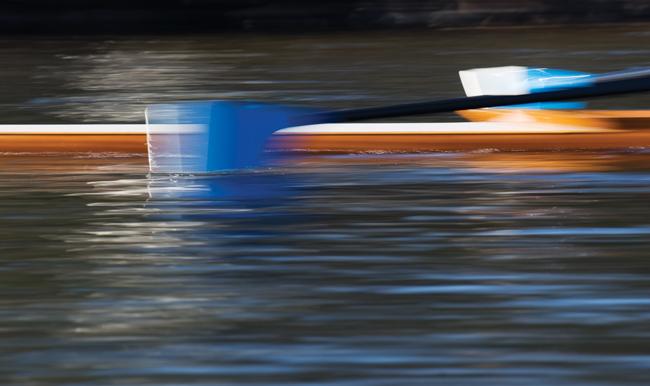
x=203, y=137
x=548, y=79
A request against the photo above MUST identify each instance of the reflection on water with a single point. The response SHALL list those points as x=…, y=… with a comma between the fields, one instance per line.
x=112, y=79
x=346, y=270
x=465, y=269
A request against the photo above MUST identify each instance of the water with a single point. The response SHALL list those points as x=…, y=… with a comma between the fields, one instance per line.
x=112, y=79
x=465, y=269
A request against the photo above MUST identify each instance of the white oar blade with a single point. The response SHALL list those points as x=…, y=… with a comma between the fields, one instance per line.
x=518, y=80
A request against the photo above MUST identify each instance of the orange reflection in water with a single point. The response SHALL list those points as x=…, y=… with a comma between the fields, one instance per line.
x=506, y=162
x=488, y=161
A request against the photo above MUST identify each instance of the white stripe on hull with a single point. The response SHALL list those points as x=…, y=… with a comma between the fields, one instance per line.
x=436, y=128
x=74, y=129
x=439, y=128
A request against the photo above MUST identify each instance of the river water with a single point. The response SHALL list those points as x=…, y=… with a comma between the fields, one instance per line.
x=363, y=269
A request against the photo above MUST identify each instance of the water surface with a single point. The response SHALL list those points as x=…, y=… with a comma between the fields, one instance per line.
x=419, y=269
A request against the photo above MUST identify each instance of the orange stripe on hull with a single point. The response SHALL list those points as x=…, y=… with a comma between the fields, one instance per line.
x=103, y=143
x=465, y=142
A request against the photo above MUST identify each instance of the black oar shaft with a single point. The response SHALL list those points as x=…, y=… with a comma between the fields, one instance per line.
x=598, y=89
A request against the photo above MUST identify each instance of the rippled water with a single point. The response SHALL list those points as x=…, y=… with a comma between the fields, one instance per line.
x=465, y=269
x=112, y=79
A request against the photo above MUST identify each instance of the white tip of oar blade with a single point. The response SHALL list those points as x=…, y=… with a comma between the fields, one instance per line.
x=508, y=80
x=516, y=80
x=172, y=146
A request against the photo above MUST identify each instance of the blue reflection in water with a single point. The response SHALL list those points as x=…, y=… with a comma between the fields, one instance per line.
x=230, y=207
x=242, y=188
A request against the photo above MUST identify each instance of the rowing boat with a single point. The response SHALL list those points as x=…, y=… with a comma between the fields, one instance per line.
x=500, y=129
x=232, y=133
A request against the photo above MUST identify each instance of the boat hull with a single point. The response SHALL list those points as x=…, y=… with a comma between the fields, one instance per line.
x=579, y=131
x=343, y=143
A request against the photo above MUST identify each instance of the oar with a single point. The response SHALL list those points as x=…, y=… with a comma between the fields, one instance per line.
x=197, y=137
x=513, y=80
x=623, y=82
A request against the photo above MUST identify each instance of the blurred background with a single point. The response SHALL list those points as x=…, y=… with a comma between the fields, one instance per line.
x=173, y=16
x=104, y=61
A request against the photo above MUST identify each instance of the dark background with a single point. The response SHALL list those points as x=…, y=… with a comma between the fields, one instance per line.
x=173, y=16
